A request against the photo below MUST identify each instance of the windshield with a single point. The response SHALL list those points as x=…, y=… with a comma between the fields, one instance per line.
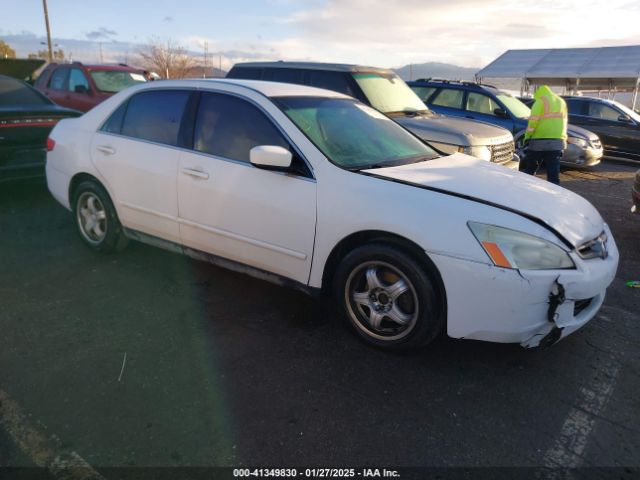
x=634, y=116
x=112, y=81
x=352, y=135
x=14, y=92
x=389, y=93
x=515, y=106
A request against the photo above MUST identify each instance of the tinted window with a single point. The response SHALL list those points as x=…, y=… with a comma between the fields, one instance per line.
x=334, y=81
x=602, y=111
x=247, y=73
x=14, y=92
x=423, y=92
x=77, y=78
x=155, y=116
x=114, y=123
x=448, y=97
x=575, y=107
x=58, y=80
x=229, y=127
x=286, y=75
x=480, y=103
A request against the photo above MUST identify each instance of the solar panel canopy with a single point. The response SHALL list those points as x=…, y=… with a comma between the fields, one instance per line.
x=598, y=68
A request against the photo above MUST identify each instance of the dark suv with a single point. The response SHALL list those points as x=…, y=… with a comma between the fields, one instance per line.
x=492, y=105
x=385, y=91
x=82, y=87
x=617, y=125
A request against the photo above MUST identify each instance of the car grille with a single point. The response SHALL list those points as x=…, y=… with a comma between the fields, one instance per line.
x=596, y=144
x=502, y=153
x=580, y=305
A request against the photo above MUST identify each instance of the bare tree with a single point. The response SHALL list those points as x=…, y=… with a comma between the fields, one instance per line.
x=168, y=59
x=6, y=51
x=58, y=55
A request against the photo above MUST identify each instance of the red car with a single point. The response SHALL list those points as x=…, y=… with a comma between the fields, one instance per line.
x=81, y=87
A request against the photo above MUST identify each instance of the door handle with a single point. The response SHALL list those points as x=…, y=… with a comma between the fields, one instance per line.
x=107, y=150
x=194, y=172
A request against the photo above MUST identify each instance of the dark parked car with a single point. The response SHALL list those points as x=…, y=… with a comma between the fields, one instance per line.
x=82, y=87
x=635, y=194
x=26, y=118
x=617, y=126
x=492, y=105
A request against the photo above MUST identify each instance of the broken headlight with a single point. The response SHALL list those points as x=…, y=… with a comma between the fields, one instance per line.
x=512, y=249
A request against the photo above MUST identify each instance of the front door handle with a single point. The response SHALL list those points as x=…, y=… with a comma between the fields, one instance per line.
x=107, y=150
x=194, y=172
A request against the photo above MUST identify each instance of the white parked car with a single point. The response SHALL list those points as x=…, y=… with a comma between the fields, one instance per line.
x=311, y=188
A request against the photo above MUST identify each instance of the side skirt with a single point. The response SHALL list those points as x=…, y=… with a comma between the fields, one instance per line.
x=221, y=262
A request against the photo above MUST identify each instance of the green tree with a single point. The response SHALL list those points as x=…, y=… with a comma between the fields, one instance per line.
x=6, y=51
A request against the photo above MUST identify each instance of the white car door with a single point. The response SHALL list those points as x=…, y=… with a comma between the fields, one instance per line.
x=136, y=153
x=229, y=208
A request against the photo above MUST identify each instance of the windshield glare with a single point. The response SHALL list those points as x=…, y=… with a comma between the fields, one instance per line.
x=515, y=106
x=389, y=93
x=353, y=135
x=113, y=81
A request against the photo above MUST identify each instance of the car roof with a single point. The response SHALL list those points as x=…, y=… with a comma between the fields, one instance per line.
x=121, y=67
x=334, y=67
x=268, y=89
x=590, y=99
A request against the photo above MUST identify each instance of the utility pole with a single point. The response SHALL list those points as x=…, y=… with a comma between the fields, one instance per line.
x=206, y=54
x=101, y=60
x=220, y=64
x=46, y=20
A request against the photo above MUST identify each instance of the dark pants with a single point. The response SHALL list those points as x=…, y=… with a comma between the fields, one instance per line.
x=551, y=159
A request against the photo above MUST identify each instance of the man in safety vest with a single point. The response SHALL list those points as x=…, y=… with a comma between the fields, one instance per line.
x=546, y=135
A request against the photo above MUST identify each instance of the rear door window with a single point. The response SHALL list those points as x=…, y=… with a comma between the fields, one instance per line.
x=449, y=97
x=155, y=116
x=229, y=127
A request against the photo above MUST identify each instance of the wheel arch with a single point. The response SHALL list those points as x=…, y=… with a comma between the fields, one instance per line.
x=78, y=178
x=358, y=239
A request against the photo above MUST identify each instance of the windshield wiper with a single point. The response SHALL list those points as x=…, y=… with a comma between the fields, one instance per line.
x=398, y=163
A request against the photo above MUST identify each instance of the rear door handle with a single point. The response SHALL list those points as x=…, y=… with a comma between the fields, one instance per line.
x=107, y=150
x=194, y=172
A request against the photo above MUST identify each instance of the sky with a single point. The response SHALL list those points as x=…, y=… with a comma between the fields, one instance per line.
x=385, y=33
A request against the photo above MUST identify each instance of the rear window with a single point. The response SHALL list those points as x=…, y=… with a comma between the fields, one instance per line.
x=155, y=116
x=14, y=92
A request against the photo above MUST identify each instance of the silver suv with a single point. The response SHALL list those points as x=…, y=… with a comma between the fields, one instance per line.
x=385, y=91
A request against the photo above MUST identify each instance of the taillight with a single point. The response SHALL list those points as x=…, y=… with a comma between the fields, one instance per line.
x=51, y=143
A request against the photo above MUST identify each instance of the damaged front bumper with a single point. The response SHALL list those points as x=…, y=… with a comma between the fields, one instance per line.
x=529, y=307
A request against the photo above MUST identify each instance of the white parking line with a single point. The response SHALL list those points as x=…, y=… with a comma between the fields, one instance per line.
x=43, y=450
x=568, y=449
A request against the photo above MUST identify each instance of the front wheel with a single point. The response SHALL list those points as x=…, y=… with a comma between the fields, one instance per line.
x=96, y=218
x=388, y=298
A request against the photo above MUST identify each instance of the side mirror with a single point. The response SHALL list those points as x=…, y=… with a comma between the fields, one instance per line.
x=625, y=119
x=500, y=112
x=81, y=89
x=270, y=157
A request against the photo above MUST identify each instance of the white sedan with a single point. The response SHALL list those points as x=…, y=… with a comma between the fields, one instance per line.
x=313, y=189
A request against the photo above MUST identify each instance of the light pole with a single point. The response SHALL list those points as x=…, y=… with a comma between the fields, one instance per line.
x=46, y=20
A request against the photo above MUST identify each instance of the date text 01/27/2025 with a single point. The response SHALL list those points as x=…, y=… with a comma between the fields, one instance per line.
x=316, y=472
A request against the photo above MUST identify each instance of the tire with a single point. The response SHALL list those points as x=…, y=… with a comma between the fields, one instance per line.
x=96, y=218
x=388, y=298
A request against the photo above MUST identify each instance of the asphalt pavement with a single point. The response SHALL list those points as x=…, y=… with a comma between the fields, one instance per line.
x=149, y=358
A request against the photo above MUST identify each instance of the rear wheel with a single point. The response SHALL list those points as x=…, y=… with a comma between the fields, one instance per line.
x=96, y=218
x=388, y=298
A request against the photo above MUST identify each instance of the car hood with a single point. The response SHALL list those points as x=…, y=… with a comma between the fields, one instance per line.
x=568, y=214
x=457, y=131
x=576, y=131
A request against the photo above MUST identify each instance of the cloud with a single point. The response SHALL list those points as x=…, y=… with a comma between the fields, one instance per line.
x=101, y=34
x=168, y=19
